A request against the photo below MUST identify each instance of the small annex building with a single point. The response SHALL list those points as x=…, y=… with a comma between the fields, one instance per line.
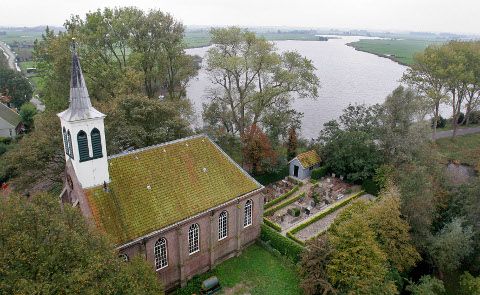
x=302, y=165
x=10, y=122
x=183, y=205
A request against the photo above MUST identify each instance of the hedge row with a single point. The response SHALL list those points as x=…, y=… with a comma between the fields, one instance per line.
x=291, y=236
x=319, y=172
x=284, y=204
x=272, y=224
x=281, y=198
x=283, y=244
x=322, y=214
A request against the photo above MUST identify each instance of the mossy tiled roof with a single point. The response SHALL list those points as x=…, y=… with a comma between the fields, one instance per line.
x=308, y=159
x=158, y=186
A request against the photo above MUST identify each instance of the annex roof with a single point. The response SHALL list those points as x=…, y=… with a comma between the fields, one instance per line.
x=9, y=115
x=308, y=159
x=158, y=186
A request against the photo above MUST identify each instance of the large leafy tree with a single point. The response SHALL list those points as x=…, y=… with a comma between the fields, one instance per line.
x=47, y=249
x=250, y=78
x=138, y=121
x=257, y=150
x=357, y=263
x=15, y=86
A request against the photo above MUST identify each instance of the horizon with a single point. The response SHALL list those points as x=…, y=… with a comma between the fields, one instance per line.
x=373, y=15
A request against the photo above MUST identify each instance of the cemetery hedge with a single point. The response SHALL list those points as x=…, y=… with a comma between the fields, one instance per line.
x=272, y=224
x=319, y=172
x=283, y=244
x=284, y=204
x=281, y=198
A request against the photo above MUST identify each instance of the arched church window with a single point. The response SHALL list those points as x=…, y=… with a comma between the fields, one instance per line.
x=96, y=143
x=83, y=146
x=69, y=144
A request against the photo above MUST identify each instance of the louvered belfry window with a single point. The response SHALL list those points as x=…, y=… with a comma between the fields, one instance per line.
x=96, y=143
x=83, y=146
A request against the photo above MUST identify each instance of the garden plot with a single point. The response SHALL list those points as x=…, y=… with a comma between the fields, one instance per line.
x=324, y=223
x=309, y=200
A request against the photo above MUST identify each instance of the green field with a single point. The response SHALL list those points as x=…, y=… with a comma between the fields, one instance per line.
x=465, y=149
x=256, y=271
x=399, y=50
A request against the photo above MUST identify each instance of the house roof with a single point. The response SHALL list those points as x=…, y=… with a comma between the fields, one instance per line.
x=158, y=186
x=80, y=107
x=9, y=115
x=308, y=159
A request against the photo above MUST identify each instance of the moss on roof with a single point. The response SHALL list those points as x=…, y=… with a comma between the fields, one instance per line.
x=159, y=186
x=308, y=159
x=9, y=115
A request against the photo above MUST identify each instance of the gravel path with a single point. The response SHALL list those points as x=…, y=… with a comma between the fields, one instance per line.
x=462, y=131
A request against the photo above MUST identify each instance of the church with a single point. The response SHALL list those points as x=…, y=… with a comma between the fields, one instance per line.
x=184, y=205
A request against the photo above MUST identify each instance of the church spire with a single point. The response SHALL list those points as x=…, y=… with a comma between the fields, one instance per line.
x=80, y=107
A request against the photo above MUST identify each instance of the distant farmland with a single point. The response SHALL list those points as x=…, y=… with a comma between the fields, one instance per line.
x=399, y=50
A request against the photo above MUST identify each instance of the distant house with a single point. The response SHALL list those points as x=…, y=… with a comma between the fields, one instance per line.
x=184, y=205
x=10, y=122
x=302, y=165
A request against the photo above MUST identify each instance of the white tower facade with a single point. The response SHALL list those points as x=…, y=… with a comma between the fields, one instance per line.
x=84, y=133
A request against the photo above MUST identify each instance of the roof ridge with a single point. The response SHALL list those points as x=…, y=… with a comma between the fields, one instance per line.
x=121, y=154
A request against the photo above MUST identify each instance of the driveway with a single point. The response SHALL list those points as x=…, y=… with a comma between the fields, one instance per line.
x=462, y=131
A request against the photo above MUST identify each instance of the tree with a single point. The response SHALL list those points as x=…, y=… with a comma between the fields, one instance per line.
x=138, y=121
x=15, y=86
x=391, y=231
x=469, y=284
x=424, y=75
x=47, y=249
x=400, y=130
x=352, y=154
x=121, y=43
x=257, y=151
x=292, y=144
x=315, y=259
x=427, y=286
x=450, y=246
x=38, y=162
x=27, y=112
x=357, y=263
x=249, y=77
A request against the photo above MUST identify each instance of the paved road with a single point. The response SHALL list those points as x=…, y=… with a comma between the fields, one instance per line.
x=463, y=131
x=10, y=55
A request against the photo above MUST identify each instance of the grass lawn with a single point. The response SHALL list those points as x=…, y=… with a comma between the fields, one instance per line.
x=256, y=271
x=401, y=50
x=465, y=149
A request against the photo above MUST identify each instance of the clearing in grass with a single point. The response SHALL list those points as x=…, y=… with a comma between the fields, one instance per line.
x=256, y=271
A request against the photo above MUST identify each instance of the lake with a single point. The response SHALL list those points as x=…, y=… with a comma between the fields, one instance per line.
x=346, y=76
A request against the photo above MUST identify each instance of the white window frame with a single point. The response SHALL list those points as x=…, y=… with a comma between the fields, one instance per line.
x=247, y=214
x=193, y=239
x=223, y=225
x=160, y=252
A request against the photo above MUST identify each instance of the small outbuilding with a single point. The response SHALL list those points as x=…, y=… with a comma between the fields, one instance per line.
x=302, y=165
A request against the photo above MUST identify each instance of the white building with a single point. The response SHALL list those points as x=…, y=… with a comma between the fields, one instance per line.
x=9, y=122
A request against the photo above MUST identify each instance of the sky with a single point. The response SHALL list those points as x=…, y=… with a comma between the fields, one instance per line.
x=455, y=16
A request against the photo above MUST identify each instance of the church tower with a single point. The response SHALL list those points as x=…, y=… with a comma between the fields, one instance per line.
x=83, y=132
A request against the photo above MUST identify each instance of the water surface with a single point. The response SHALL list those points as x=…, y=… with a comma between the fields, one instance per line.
x=346, y=76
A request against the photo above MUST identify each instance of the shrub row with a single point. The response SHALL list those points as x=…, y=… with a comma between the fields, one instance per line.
x=293, y=237
x=281, y=198
x=322, y=214
x=319, y=172
x=284, y=204
x=283, y=244
x=272, y=224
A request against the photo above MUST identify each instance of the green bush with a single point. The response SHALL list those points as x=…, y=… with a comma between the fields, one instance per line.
x=441, y=122
x=272, y=224
x=291, y=236
x=319, y=172
x=321, y=215
x=295, y=212
x=370, y=186
x=474, y=117
x=284, y=204
x=283, y=244
x=281, y=198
